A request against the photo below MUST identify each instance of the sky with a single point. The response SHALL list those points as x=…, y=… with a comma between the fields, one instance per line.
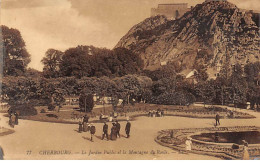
x=61, y=24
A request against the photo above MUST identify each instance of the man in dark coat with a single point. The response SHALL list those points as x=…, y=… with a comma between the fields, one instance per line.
x=105, y=131
x=118, y=129
x=85, y=127
x=80, y=127
x=217, y=119
x=85, y=118
x=16, y=118
x=162, y=113
x=92, y=131
x=127, y=129
x=11, y=121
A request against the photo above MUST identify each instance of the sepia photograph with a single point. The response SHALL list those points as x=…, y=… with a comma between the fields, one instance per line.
x=129, y=80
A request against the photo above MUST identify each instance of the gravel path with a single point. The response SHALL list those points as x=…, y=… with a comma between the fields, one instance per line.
x=39, y=140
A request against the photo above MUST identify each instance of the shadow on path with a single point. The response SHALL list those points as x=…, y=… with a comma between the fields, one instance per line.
x=99, y=137
x=86, y=138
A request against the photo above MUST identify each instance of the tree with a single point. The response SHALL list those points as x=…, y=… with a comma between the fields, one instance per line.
x=252, y=71
x=16, y=57
x=58, y=98
x=163, y=85
x=201, y=74
x=132, y=86
x=168, y=71
x=131, y=63
x=115, y=101
x=52, y=62
x=21, y=90
x=238, y=86
x=75, y=62
x=33, y=73
x=86, y=102
x=206, y=92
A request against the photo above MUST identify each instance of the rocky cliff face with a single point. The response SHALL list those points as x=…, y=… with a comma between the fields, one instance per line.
x=215, y=32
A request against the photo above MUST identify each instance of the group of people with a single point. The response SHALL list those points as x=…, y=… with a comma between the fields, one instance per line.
x=115, y=130
x=158, y=113
x=84, y=126
x=13, y=118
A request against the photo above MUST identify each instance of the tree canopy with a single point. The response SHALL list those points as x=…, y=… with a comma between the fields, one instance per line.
x=16, y=58
x=89, y=61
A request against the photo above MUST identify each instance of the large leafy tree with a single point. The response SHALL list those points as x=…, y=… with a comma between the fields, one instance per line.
x=206, y=92
x=130, y=63
x=132, y=87
x=20, y=90
x=88, y=61
x=75, y=62
x=168, y=71
x=52, y=62
x=16, y=57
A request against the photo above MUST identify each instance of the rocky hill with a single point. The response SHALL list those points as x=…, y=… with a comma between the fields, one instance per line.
x=212, y=33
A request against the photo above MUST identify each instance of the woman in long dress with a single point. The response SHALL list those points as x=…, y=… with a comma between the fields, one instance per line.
x=113, y=132
x=245, y=151
x=188, y=144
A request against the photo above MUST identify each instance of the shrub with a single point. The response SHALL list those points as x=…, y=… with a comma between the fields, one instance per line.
x=174, y=98
x=24, y=110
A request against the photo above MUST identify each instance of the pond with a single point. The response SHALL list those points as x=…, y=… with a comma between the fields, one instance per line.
x=252, y=137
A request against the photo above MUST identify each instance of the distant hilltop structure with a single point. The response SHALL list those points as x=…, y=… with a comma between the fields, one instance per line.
x=171, y=11
x=174, y=10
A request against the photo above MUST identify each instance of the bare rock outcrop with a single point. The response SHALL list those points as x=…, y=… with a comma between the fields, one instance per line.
x=224, y=32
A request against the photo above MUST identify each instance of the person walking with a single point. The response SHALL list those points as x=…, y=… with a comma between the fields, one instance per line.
x=92, y=131
x=246, y=155
x=118, y=126
x=113, y=132
x=11, y=121
x=105, y=131
x=162, y=113
x=85, y=118
x=16, y=118
x=85, y=126
x=80, y=127
x=127, y=129
x=217, y=119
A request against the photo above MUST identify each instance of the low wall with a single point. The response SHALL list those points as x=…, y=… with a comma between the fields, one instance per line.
x=176, y=138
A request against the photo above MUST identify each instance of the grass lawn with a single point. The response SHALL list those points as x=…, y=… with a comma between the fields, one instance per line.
x=70, y=114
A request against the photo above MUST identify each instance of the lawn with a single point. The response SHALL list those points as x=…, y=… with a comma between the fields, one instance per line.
x=71, y=114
